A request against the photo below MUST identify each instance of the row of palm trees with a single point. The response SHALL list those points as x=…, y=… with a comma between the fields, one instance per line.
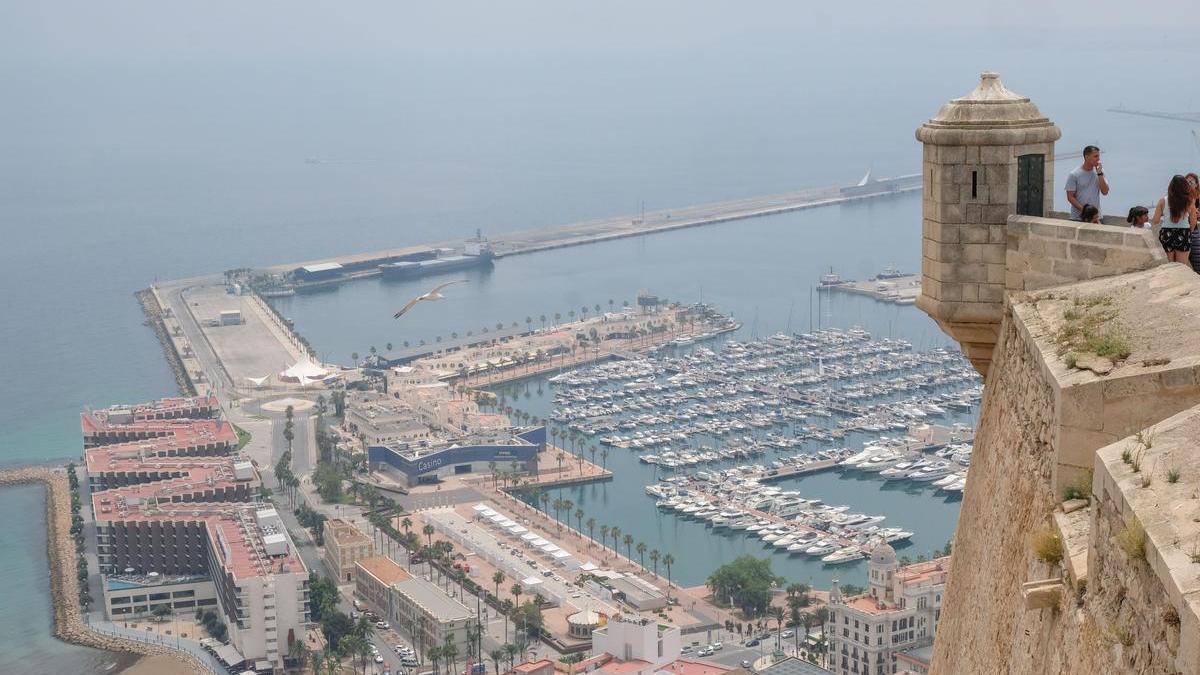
x=561, y=506
x=500, y=326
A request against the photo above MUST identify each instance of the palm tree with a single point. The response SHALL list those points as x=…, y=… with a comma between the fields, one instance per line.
x=387, y=347
x=669, y=560
x=506, y=609
x=654, y=556
x=591, y=526
x=512, y=651
x=542, y=318
x=776, y=613
x=604, y=536
x=428, y=531
x=641, y=549
x=516, y=591
x=616, y=535
x=628, y=545
x=333, y=664
x=301, y=654
x=406, y=524
x=579, y=520
x=450, y=652
x=546, y=502
x=496, y=655
x=354, y=646
x=434, y=654
x=498, y=578
x=604, y=459
x=354, y=357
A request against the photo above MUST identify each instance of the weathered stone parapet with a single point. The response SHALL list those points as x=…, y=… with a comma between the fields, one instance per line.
x=1148, y=500
x=1157, y=318
x=1045, y=252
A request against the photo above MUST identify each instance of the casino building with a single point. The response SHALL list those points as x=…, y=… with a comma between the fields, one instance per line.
x=475, y=453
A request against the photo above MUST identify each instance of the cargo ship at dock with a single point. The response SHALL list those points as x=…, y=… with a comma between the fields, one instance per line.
x=475, y=255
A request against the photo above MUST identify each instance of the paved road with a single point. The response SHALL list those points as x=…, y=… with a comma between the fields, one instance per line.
x=440, y=498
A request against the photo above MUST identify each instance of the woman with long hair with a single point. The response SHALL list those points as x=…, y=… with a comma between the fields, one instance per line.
x=1176, y=214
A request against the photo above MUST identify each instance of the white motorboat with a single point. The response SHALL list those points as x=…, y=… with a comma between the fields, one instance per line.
x=843, y=555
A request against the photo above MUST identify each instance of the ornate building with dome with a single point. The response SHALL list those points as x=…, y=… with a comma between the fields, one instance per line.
x=897, y=616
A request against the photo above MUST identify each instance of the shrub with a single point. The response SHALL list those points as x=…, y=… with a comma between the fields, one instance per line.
x=1170, y=616
x=1132, y=540
x=1047, y=546
x=1173, y=475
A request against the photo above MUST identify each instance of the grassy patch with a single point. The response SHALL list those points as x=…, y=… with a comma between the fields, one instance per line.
x=1132, y=540
x=1090, y=326
x=243, y=436
x=1172, y=475
x=1047, y=546
x=1081, y=488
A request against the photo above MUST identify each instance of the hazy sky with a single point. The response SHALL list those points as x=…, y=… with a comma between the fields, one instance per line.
x=118, y=31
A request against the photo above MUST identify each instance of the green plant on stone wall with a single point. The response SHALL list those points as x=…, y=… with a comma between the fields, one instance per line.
x=1047, y=546
x=1132, y=540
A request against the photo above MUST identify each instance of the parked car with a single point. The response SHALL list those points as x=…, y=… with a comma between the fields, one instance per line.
x=382, y=625
x=705, y=652
x=746, y=664
x=716, y=646
x=378, y=658
x=409, y=662
x=752, y=642
x=685, y=649
x=787, y=634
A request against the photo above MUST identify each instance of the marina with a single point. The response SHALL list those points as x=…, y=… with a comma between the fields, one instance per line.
x=732, y=433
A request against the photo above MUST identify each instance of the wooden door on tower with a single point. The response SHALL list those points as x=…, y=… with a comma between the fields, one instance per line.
x=1031, y=172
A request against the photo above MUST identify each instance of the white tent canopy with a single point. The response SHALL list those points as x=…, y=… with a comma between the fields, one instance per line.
x=517, y=529
x=480, y=507
x=550, y=548
x=531, y=536
x=588, y=566
x=305, y=369
x=539, y=542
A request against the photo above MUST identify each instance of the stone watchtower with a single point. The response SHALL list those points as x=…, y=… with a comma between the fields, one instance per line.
x=987, y=155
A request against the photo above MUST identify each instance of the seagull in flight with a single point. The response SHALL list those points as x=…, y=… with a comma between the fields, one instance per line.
x=435, y=294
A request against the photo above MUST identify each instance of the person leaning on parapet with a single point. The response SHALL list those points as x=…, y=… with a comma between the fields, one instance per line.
x=1176, y=214
x=1086, y=182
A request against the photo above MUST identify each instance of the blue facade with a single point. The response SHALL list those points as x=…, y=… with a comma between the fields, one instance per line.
x=451, y=457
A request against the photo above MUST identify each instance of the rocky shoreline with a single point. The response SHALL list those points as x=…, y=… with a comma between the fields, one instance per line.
x=153, y=311
x=69, y=625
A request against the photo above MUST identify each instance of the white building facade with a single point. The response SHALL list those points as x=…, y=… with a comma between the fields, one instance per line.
x=899, y=611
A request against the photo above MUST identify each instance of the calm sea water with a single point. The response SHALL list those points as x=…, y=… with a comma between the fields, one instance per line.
x=130, y=152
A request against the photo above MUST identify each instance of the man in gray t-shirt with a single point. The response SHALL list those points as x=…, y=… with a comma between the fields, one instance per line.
x=1086, y=183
